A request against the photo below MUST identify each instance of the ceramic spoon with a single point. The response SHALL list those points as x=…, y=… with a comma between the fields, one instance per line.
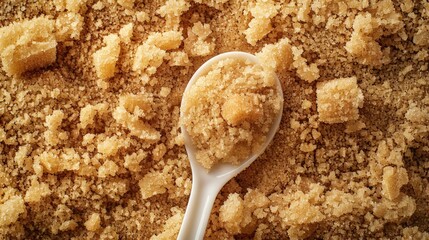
x=206, y=184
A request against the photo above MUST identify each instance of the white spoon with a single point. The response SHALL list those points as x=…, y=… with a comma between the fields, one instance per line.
x=207, y=184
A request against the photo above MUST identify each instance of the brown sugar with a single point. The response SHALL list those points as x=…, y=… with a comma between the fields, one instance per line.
x=198, y=42
x=393, y=180
x=218, y=4
x=93, y=222
x=27, y=45
x=37, y=191
x=339, y=100
x=53, y=135
x=126, y=33
x=10, y=210
x=126, y=3
x=105, y=58
x=70, y=5
x=172, y=10
x=362, y=46
x=171, y=227
x=166, y=40
x=243, y=103
x=276, y=57
x=88, y=113
x=132, y=162
x=401, y=208
x=258, y=28
x=305, y=71
x=148, y=58
x=236, y=214
x=68, y=26
x=109, y=168
x=85, y=158
x=154, y=183
x=231, y=212
x=421, y=37
x=260, y=25
x=129, y=112
x=109, y=146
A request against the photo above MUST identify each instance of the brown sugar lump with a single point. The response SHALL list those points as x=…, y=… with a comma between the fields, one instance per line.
x=50, y=162
x=238, y=215
x=393, y=179
x=131, y=113
x=37, y=191
x=198, y=42
x=54, y=120
x=167, y=40
x=148, y=58
x=407, y=6
x=179, y=58
x=362, y=44
x=368, y=28
x=231, y=213
x=238, y=109
x=414, y=233
x=109, y=146
x=109, y=168
x=258, y=28
x=105, y=58
x=339, y=100
x=154, y=183
x=53, y=135
x=277, y=56
x=142, y=16
x=260, y=25
x=70, y=5
x=10, y=210
x=306, y=72
x=402, y=207
x=229, y=110
x=93, y=222
x=68, y=26
x=421, y=37
x=126, y=32
x=132, y=161
x=417, y=115
x=365, y=49
x=126, y=3
x=27, y=45
x=88, y=113
x=55, y=161
x=172, y=10
x=171, y=227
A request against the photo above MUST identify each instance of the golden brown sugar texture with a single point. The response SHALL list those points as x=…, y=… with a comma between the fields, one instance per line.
x=229, y=110
x=339, y=100
x=87, y=158
x=27, y=45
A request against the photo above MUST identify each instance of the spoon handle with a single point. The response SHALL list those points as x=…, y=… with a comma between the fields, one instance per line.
x=203, y=195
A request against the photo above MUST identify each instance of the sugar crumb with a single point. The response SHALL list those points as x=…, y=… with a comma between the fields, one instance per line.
x=154, y=183
x=126, y=33
x=93, y=222
x=106, y=57
x=109, y=168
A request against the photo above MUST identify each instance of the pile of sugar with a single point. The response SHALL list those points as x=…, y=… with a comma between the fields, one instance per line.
x=229, y=110
x=90, y=143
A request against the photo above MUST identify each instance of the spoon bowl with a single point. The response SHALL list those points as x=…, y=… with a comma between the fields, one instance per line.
x=206, y=184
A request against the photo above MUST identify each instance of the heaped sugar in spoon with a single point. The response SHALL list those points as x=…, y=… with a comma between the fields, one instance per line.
x=230, y=112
